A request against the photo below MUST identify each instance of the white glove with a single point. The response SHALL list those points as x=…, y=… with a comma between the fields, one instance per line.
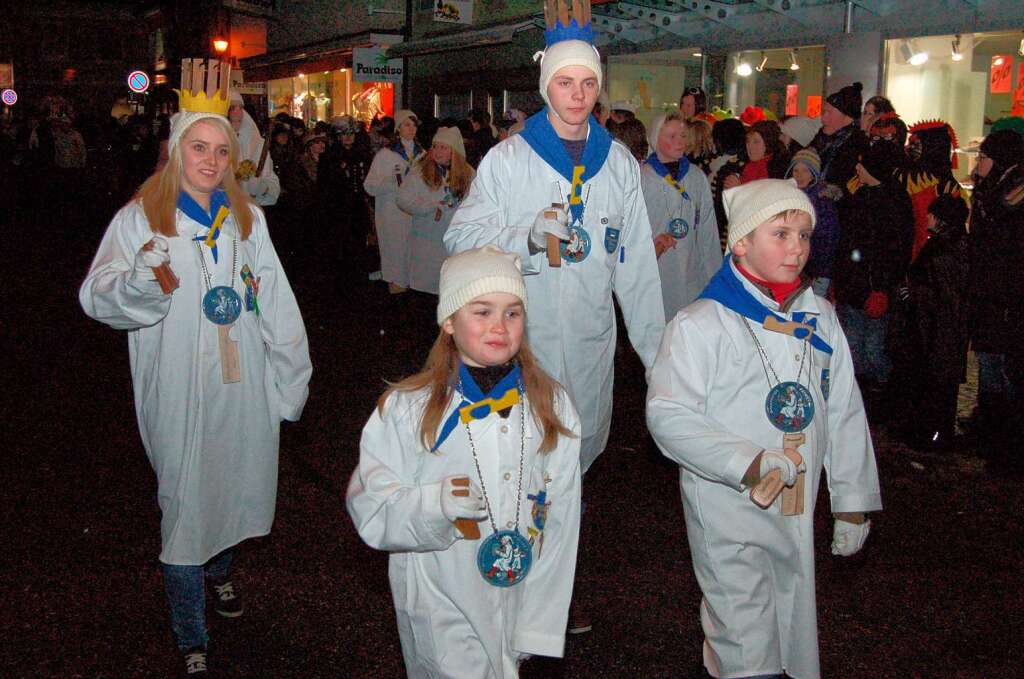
x=461, y=499
x=151, y=255
x=542, y=226
x=776, y=459
x=848, y=538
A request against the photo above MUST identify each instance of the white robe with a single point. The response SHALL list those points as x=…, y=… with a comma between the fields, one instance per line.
x=571, y=319
x=265, y=189
x=686, y=268
x=706, y=411
x=213, y=446
x=452, y=623
x=426, y=239
x=393, y=224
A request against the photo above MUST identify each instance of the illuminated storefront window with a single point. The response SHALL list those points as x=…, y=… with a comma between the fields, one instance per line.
x=324, y=95
x=785, y=82
x=653, y=82
x=969, y=81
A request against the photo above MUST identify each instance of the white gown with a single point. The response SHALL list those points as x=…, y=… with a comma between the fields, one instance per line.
x=706, y=411
x=571, y=319
x=452, y=623
x=213, y=446
x=686, y=268
x=265, y=189
x=426, y=240
x=393, y=224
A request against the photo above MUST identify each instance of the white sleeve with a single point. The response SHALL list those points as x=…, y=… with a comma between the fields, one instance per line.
x=480, y=219
x=281, y=325
x=390, y=510
x=636, y=282
x=268, y=184
x=677, y=399
x=710, y=242
x=547, y=591
x=414, y=197
x=850, y=458
x=380, y=179
x=107, y=294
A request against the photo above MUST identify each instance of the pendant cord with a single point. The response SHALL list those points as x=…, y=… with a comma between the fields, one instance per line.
x=766, y=363
x=206, y=272
x=522, y=454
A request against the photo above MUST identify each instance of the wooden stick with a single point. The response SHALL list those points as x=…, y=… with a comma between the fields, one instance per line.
x=198, y=73
x=554, y=248
x=793, y=498
x=225, y=80
x=186, y=75
x=469, y=529
x=577, y=11
x=211, y=78
x=563, y=13
x=587, y=14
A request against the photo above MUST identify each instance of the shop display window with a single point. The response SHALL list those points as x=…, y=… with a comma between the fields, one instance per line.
x=783, y=82
x=653, y=81
x=968, y=80
x=324, y=95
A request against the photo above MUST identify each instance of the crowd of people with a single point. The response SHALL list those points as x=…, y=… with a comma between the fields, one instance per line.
x=841, y=250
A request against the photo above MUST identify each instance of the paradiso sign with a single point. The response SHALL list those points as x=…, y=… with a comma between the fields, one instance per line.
x=370, y=64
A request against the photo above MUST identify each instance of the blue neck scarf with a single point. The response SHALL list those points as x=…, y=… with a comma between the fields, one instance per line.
x=727, y=289
x=476, y=405
x=543, y=139
x=662, y=171
x=400, y=150
x=212, y=220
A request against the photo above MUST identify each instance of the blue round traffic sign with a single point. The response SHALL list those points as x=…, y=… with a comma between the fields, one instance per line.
x=10, y=97
x=138, y=81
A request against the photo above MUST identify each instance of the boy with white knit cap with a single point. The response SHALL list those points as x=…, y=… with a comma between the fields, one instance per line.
x=753, y=394
x=564, y=157
x=469, y=476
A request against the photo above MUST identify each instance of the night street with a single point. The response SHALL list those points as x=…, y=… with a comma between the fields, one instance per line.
x=935, y=593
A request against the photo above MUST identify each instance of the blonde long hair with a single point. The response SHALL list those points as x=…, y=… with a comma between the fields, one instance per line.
x=460, y=174
x=158, y=195
x=440, y=373
x=702, y=144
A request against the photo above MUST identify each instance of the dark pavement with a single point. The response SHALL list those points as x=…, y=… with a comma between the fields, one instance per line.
x=936, y=592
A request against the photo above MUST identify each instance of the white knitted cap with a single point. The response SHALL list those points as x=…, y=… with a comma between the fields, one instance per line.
x=473, y=273
x=801, y=129
x=452, y=137
x=182, y=120
x=623, y=105
x=749, y=205
x=566, y=53
x=403, y=114
x=654, y=130
x=235, y=97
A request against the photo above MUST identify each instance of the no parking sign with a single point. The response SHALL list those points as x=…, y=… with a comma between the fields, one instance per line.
x=10, y=97
x=138, y=82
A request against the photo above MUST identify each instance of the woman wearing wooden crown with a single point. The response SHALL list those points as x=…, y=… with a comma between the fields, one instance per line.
x=218, y=354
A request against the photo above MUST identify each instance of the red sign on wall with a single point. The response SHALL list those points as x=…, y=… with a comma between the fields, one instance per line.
x=1018, y=94
x=792, y=100
x=814, y=106
x=1001, y=75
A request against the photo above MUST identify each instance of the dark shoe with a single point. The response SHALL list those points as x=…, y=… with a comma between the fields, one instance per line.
x=195, y=661
x=227, y=599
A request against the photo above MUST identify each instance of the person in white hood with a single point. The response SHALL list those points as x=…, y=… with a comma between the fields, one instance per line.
x=469, y=477
x=264, y=189
x=753, y=390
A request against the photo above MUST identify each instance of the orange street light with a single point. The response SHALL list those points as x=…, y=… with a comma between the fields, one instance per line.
x=220, y=45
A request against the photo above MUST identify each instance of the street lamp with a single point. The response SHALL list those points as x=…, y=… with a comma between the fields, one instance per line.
x=220, y=45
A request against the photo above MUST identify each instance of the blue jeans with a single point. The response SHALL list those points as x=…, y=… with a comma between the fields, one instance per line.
x=186, y=595
x=866, y=337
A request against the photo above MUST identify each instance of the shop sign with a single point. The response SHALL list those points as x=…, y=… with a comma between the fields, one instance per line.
x=371, y=64
x=6, y=76
x=792, y=100
x=814, y=106
x=1001, y=74
x=1018, y=94
x=258, y=89
x=454, y=11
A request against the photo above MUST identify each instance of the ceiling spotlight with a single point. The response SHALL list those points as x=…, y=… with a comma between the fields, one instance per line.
x=793, y=66
x=742, y=69
x=1020, y=50
x=957, y=55
x=911, y=54
x=764, y=60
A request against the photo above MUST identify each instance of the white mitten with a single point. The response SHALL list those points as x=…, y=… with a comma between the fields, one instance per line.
x=461, y=499
x=151, y=255
x=777, y=459
x=848, y=538
x=543, y=225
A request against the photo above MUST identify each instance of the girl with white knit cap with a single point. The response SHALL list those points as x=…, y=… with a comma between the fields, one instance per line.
x=218, y=357
x=563, y=156
x=469, y=476
x=753, y=395
x=389, y=169
x=433, y=189
x=682, y=214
